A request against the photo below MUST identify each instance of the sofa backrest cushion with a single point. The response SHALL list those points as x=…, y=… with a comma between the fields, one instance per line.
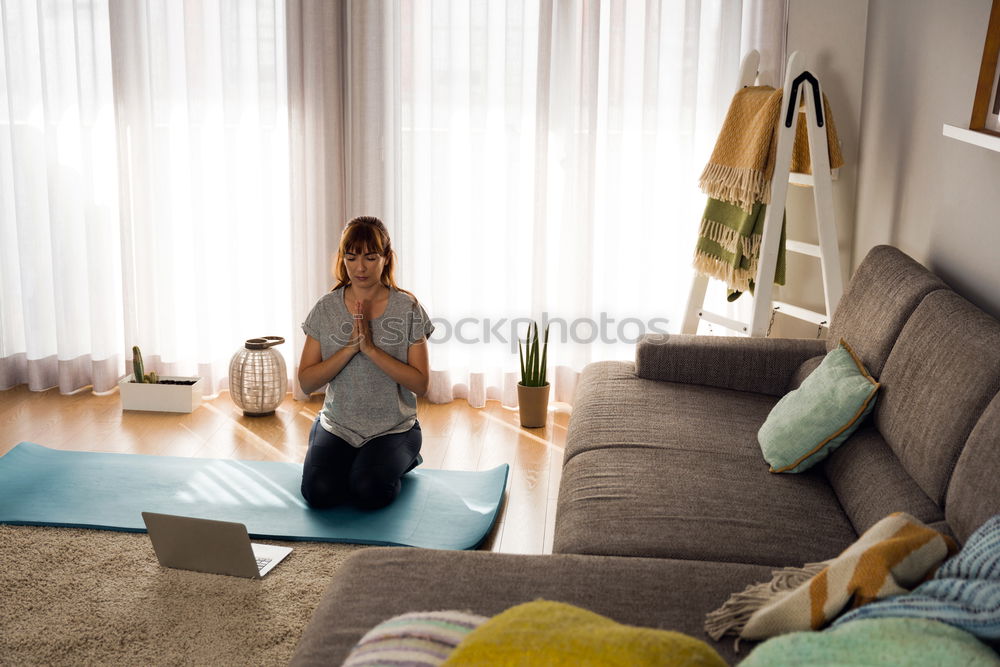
x=974, y=490
x=871, y=483
x=884, y=291
x=941, y=374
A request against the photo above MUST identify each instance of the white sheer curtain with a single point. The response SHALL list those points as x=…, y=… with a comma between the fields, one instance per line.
x=144, y=187
x=316, y=98
x=202, y=96
x=174, y=175
x=341, y=165
x=548, y=156
x=60, y=288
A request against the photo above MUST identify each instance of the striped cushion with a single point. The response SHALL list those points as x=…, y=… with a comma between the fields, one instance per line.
x=417, y=639
x=964, y=592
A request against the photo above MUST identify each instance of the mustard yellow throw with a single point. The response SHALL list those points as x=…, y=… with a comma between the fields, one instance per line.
x=742, y=163
x=554, y=633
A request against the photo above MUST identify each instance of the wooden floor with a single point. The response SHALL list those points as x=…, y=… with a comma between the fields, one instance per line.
x=455, y=437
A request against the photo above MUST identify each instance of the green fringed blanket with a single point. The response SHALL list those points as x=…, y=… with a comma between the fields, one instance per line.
x=729, y=246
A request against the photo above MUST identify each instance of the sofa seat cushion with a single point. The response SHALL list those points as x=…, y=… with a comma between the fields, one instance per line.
x=615, y=408
x=871, y=483
x=942, y=373
x=683, y=503
x=376, y=584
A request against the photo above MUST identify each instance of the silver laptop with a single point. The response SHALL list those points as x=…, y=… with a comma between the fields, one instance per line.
x=204, y=545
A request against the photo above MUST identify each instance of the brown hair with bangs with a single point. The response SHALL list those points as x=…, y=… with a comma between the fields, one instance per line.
x=364, y=235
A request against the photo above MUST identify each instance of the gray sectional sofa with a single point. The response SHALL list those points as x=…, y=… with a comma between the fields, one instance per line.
x=666, y=505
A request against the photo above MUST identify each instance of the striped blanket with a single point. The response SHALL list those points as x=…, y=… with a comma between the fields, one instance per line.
x=890, y=558
x=964, y=592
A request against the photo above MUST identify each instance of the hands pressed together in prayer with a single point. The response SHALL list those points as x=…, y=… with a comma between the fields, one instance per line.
x=361, y=336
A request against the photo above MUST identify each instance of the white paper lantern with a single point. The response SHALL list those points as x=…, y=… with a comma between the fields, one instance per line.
x=257, y=377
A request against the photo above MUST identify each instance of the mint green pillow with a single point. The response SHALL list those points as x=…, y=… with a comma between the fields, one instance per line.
x=810, y=422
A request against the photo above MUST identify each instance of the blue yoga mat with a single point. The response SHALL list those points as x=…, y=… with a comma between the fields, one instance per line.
x=437, y=509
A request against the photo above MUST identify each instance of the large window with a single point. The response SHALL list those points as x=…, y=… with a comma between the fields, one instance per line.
x=143, y=185
x=548, y=156
x=174, y=175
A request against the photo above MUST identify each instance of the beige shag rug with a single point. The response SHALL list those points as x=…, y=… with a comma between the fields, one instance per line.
x=70, y=596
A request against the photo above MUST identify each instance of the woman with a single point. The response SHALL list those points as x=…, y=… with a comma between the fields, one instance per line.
x=367, y=341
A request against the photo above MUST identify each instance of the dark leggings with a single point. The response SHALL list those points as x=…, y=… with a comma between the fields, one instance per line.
x=334, y=472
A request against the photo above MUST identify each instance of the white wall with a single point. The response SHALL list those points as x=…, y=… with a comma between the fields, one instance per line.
x=935, y=198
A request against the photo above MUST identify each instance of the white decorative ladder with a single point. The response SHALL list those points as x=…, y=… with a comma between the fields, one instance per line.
x=797, y=79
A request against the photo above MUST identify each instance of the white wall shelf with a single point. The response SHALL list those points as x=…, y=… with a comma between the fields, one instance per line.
x=981, y=139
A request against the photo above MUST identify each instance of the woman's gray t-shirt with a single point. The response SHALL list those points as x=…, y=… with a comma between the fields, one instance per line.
x=362, y=402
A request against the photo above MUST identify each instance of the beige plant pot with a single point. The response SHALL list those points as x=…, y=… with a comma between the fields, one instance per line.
x=533, y=405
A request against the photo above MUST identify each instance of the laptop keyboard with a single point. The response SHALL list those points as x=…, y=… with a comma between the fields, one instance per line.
x=262, y=563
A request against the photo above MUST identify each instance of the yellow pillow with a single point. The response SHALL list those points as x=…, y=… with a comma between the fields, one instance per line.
x=554, y=633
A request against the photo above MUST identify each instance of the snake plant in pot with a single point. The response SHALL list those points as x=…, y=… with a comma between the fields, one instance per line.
x=533, y=389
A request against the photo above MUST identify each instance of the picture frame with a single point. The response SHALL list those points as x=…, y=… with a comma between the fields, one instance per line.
x=986, y=105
